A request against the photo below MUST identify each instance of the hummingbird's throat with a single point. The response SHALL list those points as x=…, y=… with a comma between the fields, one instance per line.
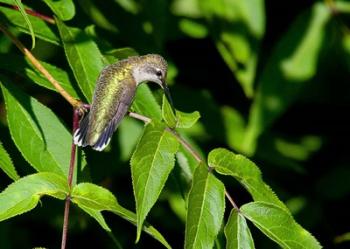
x=144, y=73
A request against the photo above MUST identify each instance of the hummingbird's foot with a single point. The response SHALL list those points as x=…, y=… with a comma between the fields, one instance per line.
x=82, y=108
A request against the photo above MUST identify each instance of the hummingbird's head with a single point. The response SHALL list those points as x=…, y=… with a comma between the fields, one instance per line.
x=151, y=67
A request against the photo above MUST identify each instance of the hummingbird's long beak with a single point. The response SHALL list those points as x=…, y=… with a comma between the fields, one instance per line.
x=168, y=96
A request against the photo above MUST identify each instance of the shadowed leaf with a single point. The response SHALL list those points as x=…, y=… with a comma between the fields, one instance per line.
x=6, y=164
x=94, y=199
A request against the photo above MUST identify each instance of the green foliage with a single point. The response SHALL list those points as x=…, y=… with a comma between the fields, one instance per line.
x=25, y=68
x=245, y=171
x=64, y=9
x=293, y=62
x=34, y=128
x=278, y=225
x=237, y=232
x=151, y=165
x=94, y=199
x=6, y=164
x=83, y=56
x=237, y=34
x=27, y=21
x=181, y=120
x=206, y=195
x=24, y=194
x=277, y=97
x=42, y=29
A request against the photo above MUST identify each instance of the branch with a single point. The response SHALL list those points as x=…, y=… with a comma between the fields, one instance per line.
x=76, y=115
x=75, y=103
x=80, y=108
x=188, y=147
x=30, y=12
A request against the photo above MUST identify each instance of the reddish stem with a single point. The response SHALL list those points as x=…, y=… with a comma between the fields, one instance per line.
x=30, y=12
x=76, y=115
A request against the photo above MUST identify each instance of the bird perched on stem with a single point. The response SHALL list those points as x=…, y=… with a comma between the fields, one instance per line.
x=114, y=93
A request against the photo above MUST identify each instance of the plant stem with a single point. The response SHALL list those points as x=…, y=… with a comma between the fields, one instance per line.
x=76, y=114
x=80, y=108
x=188, y=147
x=75, y=103
x=30, y=12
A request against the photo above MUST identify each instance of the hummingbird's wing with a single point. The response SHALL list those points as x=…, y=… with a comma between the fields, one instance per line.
x=111, y=102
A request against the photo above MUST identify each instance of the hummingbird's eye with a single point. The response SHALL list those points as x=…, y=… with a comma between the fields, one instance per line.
x=159, y=73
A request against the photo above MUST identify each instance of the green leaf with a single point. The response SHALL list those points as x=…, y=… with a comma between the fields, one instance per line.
x=64, y=9
x=23, y=67
x=83, y=56
x=181, y=120
x=26, y=19
x=37, y=132
x=237, y=232
x=167, y=113
x=279, y=225
x=42, y=29
x=129, y=133
x=246, y=172
x=145, y=103
x=237, y=34
x=193, y=28
x=96, y=15
x=24, y=194
x=94, y=199
x=206, y=206
x=6, y=164
x=186, y=120
x=293, y=62
x=234, y=127
x=151, y=164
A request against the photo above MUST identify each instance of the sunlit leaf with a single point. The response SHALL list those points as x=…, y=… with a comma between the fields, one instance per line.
x=83, y=56
x=145, y=103
x=206, y=206
x=279, y=225
x=41, y=28
x=246, y=172
x=64, y=9
x=37, y=132
x=237, y=232
x=26, y=19
x=293, y=62
x=168, y=113
x=6, y=164
x=181, y=120
x=24, y=194
x=151, y=164
x=94, y=199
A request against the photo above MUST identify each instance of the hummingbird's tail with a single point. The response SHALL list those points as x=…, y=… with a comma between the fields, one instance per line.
x=80, y=135
x=83, y=137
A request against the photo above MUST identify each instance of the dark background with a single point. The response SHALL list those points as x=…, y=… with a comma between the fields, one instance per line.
x=316, y=188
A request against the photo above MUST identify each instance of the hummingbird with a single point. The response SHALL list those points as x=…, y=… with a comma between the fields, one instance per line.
x=114, y=92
